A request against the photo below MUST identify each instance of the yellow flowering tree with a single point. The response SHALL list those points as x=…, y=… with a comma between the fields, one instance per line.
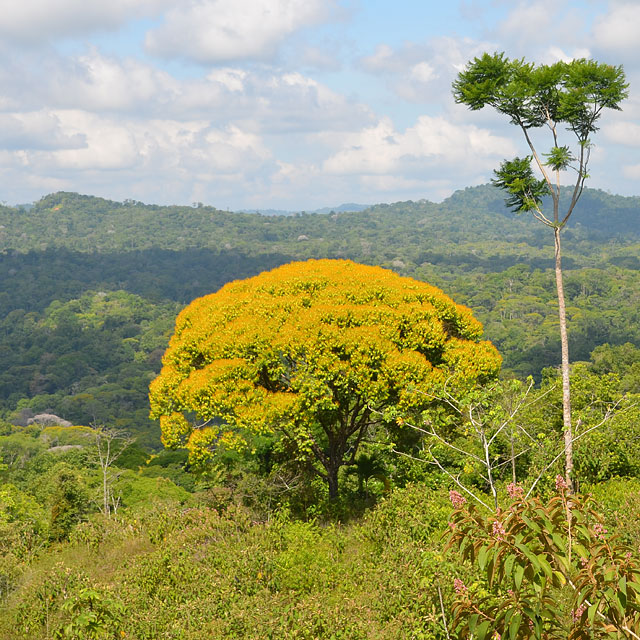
x=313, y=352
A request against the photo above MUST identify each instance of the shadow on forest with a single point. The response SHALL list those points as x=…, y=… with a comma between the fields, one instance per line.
x=31, y=281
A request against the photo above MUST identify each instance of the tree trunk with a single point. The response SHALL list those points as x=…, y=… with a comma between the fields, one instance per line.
x=566, y=389
x=105, y=493
x=332, y=479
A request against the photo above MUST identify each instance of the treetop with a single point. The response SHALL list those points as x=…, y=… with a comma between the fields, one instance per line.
x=310, y=343
x=532, y=95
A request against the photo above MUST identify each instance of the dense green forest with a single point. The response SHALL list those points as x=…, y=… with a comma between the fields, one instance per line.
x=249, y=546
x=90, y=287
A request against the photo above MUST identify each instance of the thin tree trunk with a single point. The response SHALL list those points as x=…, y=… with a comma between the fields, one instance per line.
x=566, y=389
x=105, y=493
x=332, y=479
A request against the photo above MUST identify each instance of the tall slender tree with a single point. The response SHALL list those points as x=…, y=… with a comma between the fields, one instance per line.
x=565, y=98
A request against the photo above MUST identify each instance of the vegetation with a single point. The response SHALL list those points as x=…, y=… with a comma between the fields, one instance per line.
x=103, y=540
x=570, y=94
x=317, y=353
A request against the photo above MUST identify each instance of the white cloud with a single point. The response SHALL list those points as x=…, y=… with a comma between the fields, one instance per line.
x=273, y=101
x=383, y=59
x=617, y=30
x=37, y=20
x=109, y=145
x=324, y=58
x=36, y=130
x=159, y=146
x=101, y=83
x=543, y=30
x=621, y=132
x=631, y=171
x=212, y=31
x=431, y=142
x=556, y=54
x=422, y=73
x=528, y=20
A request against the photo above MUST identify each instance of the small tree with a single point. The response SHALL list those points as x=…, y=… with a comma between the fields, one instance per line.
x=110, y=445
x=314, y=353
x=68, y=500
x=572, y=94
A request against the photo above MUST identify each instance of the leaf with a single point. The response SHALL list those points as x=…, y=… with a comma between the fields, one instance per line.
x=622, y=585
x=508, y=564
x=482, y=629
x=514, y=627
x=546, y=567
x=482, y=558
x=517, y=576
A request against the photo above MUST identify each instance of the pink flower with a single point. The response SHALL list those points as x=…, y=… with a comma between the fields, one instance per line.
x=515, y=491
x=561, y=483
x=599, y=530
x=498, y=530
x=627, y=556
x=459, y=587
x=577, y=614
x=457, y=499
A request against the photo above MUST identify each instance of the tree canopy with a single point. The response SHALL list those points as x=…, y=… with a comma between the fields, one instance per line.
x=570, y=94
x=314, y=352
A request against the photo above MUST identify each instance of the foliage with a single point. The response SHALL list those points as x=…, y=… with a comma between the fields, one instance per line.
x=194, y=572
x=552, y=571
x=316, y=352
x=565, y=93
x=69, y=500
x=84, y=322
x=93, y=615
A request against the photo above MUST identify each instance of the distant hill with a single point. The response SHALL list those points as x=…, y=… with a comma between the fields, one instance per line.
x=86, y=223
x=343, y=208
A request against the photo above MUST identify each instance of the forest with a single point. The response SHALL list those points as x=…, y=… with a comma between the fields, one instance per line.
x=106, y=533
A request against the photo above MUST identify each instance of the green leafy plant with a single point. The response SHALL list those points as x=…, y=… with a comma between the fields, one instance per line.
x=552, y=571
x=93, y=615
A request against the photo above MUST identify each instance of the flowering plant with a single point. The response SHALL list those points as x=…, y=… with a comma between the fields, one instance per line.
x=553, y=571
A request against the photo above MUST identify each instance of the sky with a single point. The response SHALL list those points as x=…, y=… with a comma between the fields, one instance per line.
x=284, y=104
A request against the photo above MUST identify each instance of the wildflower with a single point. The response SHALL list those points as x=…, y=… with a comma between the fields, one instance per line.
x=459, y=587
x=498, y=530
x=515, y=491
x=577, y=614
x=627, y=556
x=583, y=562
x=457, y=499
x=561, y=483
x=599, y=530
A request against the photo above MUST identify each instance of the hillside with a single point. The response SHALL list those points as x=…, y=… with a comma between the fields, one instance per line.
x=90, y=287
x=105, y=534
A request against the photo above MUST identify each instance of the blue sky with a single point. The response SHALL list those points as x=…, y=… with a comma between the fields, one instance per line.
x=291, y=104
